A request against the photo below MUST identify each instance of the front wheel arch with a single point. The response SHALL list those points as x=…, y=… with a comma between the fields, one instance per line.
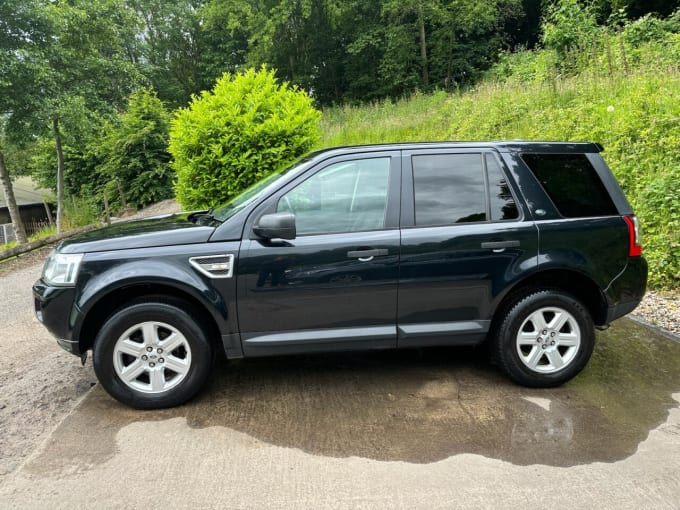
x=116, y=299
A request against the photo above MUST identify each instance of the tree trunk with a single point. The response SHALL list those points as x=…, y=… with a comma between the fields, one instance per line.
x=48, y=212
x=423, y=47
x=121, y=192
x=60, y=175
x=12, y=203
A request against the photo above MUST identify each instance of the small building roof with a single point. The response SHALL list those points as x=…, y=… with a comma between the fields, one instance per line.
x=27, y=192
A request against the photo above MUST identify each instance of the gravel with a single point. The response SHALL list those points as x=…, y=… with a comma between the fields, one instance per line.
x=661, y=309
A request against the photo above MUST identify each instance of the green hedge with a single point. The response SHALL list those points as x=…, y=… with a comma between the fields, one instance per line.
x=248, y=126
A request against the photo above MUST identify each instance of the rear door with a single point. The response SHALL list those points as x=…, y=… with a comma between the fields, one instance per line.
x=335, y=285
x=465, y=241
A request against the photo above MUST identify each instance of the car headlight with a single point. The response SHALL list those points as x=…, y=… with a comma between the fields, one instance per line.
x=61, y=269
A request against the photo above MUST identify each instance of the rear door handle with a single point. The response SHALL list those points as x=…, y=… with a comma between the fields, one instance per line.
x=367, y=255
x=499, y=246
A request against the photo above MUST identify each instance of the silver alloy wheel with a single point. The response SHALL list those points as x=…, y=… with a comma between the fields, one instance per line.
x=152, y=357
x=548, y=340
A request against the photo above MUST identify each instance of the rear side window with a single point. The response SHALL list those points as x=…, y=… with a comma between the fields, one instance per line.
x=452, y=188
x=571, y=183
x=448, y=189
x=502, y=204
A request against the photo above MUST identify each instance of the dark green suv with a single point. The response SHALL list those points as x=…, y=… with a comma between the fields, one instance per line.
x=526, y=245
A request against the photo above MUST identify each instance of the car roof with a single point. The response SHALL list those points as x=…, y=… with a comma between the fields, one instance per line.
x=500, y=146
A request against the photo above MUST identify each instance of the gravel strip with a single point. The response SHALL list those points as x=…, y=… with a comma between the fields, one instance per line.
x=661, y=309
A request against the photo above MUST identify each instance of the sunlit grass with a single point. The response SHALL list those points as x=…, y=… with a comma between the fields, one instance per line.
x=634, y=115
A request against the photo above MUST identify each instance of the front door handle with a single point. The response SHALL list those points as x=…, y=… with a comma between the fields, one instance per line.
x=367, y=255
x=499, y=246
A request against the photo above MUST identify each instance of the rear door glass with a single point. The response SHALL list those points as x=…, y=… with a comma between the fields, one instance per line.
x=448, y=189
x=502, y=203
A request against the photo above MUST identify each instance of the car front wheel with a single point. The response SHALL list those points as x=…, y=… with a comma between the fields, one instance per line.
x=152, y=355
x=544, y=339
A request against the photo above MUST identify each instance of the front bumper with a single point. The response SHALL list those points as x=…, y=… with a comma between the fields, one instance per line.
x=55, y=309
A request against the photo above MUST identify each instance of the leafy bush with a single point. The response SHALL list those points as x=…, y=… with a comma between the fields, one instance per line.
x=247, y=127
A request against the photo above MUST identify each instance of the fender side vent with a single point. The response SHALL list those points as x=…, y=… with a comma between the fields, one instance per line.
x=214, y=266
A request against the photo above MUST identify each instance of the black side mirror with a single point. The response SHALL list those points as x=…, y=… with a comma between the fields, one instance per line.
x=276, y=226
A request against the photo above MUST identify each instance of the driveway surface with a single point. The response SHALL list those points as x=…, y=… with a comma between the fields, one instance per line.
x=437, y=428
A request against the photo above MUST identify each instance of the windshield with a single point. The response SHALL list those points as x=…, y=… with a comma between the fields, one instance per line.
x=255, y=192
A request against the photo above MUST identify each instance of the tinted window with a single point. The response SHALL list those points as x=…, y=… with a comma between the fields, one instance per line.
x=572, y=184
x=448, y=188
x=344, y=197
x=502, y=203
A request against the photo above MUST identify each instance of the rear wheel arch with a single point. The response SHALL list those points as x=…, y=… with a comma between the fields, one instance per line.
x=583, y=288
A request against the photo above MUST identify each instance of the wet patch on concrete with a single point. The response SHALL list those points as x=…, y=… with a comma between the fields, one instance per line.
x=411, y=406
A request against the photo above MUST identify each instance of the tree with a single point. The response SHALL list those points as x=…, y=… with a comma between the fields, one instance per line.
x=15, y=216
x=134, y=153
x=21, y=27
x=248, y=126
x=71, y=64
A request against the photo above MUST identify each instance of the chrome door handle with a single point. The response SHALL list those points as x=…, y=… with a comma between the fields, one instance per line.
x=367, y=255
x=499, y=246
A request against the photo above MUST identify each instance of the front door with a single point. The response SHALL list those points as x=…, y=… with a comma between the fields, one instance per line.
x=334, y=286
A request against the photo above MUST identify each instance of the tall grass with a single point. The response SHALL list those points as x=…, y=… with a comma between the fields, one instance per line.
x=633, y=112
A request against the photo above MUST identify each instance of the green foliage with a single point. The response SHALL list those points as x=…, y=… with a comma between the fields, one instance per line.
x=134, y=152
x=570, y=25
x=81, y=211
x=247, y=127
x=636, y=116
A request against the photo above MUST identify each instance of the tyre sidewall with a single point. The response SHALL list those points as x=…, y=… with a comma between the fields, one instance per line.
x=515, y=318
x=119, y=322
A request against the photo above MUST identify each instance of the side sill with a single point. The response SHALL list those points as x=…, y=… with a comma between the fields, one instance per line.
x=318, y=340
x=442, y=333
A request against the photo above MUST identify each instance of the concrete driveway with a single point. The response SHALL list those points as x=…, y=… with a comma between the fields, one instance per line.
x=413, y=429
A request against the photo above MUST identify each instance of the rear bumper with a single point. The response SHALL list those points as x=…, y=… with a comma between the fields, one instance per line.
x=628, y=289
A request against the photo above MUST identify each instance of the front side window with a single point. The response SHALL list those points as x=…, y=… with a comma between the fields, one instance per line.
x=448, y=189
x=350, y=196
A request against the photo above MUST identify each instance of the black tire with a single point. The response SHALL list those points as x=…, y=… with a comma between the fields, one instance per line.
x=534, y=365
x=166, y=319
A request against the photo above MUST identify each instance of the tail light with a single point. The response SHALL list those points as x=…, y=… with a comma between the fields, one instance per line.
x=634, y=246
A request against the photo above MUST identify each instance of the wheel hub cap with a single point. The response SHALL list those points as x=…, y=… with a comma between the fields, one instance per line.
x=152, y=357
x=548, y=340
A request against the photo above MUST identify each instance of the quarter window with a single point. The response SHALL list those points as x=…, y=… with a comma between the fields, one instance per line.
x=349, y=196
x=571, y=183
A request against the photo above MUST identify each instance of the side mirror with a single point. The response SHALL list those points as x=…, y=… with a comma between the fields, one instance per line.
x=276, y=226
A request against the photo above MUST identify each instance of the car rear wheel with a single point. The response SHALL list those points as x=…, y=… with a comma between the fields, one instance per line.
x=152, y=355
x=544, y=339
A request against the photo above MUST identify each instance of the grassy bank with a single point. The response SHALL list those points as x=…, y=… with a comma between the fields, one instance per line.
x=634, y=113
